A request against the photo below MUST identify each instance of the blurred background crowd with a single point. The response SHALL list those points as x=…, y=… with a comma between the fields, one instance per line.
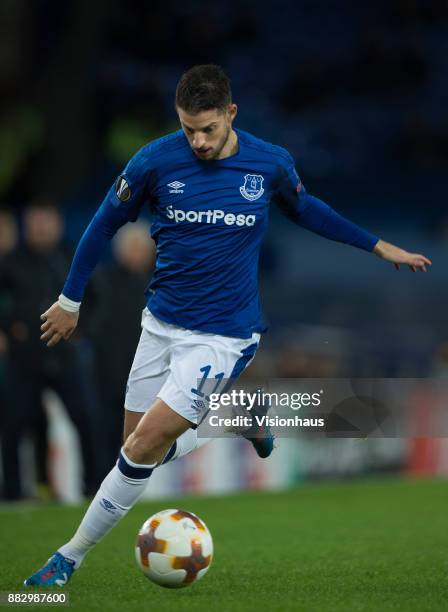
x=356, y=91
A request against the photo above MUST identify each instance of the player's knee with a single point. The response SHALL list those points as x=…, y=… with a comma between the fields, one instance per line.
x=144, y=449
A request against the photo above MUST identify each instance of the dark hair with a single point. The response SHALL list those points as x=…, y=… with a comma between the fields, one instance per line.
x=203, y=88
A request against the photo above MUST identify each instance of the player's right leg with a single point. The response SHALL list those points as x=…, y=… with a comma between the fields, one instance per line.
x=143, y=450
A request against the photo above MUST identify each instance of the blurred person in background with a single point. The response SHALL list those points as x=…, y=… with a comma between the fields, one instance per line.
x=440, y=361
x=29, y=276
x=295, y=362
x=8, y=233
x=134, y=252
x=8, y=242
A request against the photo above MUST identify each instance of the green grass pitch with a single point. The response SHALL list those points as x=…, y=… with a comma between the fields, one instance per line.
x=373, y=545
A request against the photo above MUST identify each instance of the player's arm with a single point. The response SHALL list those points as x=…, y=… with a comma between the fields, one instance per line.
x=317, y=216
x=122, y=204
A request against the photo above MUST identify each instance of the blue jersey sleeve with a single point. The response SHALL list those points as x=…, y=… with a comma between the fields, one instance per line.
x=313, y=214
x=122, y=204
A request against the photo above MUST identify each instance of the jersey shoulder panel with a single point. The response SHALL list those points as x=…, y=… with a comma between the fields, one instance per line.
x=279, y=153
x=166, y=145
x=147, y=159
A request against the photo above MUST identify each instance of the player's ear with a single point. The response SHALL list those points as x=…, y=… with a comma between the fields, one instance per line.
x=232, y=111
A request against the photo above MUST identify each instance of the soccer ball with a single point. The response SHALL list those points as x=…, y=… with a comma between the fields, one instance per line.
x=174, y=548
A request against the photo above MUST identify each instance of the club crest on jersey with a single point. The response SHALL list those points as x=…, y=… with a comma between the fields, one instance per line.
x=122, y=189
x=253, y=187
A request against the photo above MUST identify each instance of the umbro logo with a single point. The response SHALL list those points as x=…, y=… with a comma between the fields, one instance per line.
x=176, y=187
x=107, y=505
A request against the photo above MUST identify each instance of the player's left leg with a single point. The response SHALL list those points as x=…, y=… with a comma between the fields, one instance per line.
x=131, y=420
x=185, y=444
x=143, y=450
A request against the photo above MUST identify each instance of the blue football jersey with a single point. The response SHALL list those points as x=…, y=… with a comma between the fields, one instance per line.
x=208, y=222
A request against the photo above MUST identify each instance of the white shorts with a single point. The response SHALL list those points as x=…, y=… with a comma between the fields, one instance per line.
x=171, y=363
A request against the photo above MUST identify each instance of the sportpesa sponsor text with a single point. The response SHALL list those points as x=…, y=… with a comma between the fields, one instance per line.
x=209, y=216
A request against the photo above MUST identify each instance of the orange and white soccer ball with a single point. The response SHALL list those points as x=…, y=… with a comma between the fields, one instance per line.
x=174, y=548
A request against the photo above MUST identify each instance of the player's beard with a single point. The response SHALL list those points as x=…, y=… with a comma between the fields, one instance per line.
x=223, y=143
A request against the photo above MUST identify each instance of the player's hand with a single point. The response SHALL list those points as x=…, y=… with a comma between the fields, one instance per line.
x=397, y=256
x=57, y=324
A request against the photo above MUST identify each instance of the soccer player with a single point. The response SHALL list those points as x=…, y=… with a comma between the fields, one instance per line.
x=209, y=187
